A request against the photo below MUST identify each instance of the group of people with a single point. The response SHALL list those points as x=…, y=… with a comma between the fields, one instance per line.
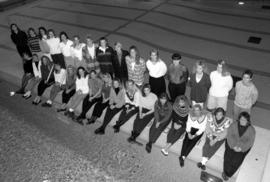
x=114, y=80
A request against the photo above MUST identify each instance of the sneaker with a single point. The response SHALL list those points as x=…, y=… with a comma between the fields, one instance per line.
x=131, y=139
x=12, y=93
x=116, y=129
x=79, y=120
x=100, y=131
x=164, y=152
x=148, y=147
x=60, y=110
x=200, y=165
x=181, y=161
x=46, y=104
x=90, y=121
x=225, y=177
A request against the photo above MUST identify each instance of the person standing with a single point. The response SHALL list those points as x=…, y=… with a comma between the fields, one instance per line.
x=221, y=84
x=136, y=66
x=119, y=62
x=216, y=133
x=89, y=55
x=132, y=96
x=146, y=112
x=181, y=108
x=178, y=77
x=19, y=38
x=240, y=139
x=116, y=103
x=59, y=84
x=162, y=117
x=94, y=96
x=104, y=55
x=157, y=70
x=76, y=52
x=33, y=42
x=195, y=128
x=65, y=47
x=44, y=47
x=246, y=94
x=199, y=84
x=55, y=51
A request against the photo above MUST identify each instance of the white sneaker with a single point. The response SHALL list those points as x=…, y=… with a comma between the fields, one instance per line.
x=12, y=93
x=164, y=152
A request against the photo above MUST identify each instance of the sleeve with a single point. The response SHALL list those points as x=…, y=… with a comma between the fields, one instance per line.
x=185, y=74
x=77, y=84
x=13, y=39
x=188, y=125
x=230, y=83
x=255, y=95
x=248, y=143
x=208, y=130
x=121, y=100
x=156, y=112
x=143, y=66
x=208, y=82
x=222, y=135
x=137, y=98
x=202, y=126
x=63, y=76
x=168, y=115
x=111, y=100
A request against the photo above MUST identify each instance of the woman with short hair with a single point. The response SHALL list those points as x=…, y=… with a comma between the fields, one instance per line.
x=89, y=55
x=33, y=42
x=76, y=52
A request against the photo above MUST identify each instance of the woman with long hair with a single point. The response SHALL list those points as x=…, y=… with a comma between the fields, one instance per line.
x=157, y=71
x=76, y=52
x=136, y=66
x=240, y=139
x=199, y=84
x=181, y=108
x=146, y=112
x=65, y=47
x=116, y=103
x=19, y=38
x=162, y=117
x=195, y=127
x=221, y=84
x=216, y=133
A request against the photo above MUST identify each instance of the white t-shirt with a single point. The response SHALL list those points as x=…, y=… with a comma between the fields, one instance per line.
x=54, y=45
x=220, y=85
x=66, y=48
x=200, y=125
x=77, y=52
x=82, y=84
x=92, y=51
x=148, y=102
x=60, y=77
x=157, y=69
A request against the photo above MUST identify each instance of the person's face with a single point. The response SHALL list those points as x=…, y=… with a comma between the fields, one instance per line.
x=63, y=37
x=32, y=33
x=42, y=32
x=132, y=53
x=76, y=40
x=197, y=111
x=129, y=85
x=181, y=103
x=153, y=56
x=35, y=59
x=219, y=115
x=176, y=61
x=103, y=43
x=246, y=79
x=45, y=61
x=118, y=47
x=199, y=69
x=81, y=72
x=14, y=28
x=93, y=75
x=116, y=84
x=70, y=71
x=89, y=42
x=146, y=91
x=219, y=68
x=51, y=35
x=243, y=121
x=57, y=67
x=163, y=100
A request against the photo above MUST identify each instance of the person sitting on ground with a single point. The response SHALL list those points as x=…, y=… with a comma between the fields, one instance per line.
x=181, y=108
x=216, y=133
x=82, y=89
x=47, y=78
x=116, y=103
x=36, y=66
x=132, y=96
x=94, y=96
x=27, y=76
x=69, y=90
x=163, y=112
x=59, y=84
x=146, y=112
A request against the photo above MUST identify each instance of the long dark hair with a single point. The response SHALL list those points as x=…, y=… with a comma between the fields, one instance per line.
x=163, y=96
x=63, y=33
x=39, y=30
x=137, y=58
x=78, y=74
x=14, y=24
x=246, y=115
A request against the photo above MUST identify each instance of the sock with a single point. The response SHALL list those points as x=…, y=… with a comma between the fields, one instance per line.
x=49, y=101
x=204, y=160
x=71, y=110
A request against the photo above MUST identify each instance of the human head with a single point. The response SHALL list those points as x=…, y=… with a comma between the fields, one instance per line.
x=45, y=60
x=51, y=33
x=183, y=101
x=199, y=67
x=118, y=47
x=103, y=42
x=70, y=70
x=35, y=58
x=116, y=83
x=31, y=32
x=89, y=40
x=247, y=76
x=81, y=72
x=154, y=55
x=163, y=98
x=107, y=78
x=176, y=58
x=41, y=32
x=63, y=36
x=219, y=113
x=130, y=84
x=14, y=28
x=76, y=40
x=222, y=67
x=134, y=53
x=196, y=110
x=57, y=66
x=146, y=90
x=244, y=119
x=93, y=74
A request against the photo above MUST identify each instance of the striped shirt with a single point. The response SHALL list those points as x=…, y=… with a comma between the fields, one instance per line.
x=33, y=43
x=136, y=71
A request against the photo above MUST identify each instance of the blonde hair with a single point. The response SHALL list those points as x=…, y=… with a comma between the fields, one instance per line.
x=202, y=64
